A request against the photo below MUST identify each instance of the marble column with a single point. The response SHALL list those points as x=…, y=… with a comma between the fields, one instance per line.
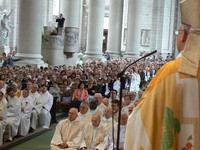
x=133, y=28
x=115, y=27
x=14, y=21
x=95, y=29
x=71, y=11
x=30, y=32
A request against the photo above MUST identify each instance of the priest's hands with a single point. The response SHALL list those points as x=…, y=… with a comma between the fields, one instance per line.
x=63, y=145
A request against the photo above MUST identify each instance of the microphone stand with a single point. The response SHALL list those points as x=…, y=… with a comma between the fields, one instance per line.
x=122, y=80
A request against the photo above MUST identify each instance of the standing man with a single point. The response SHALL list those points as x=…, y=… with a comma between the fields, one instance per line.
x=47, y=102
x=60, y=19
x=168, y=114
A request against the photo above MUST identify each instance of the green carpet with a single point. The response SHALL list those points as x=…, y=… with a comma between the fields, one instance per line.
x=41, y=142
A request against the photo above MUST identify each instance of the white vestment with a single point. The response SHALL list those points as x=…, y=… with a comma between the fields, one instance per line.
x=37, y=106
x=95, y=138
x=121, y=139
x=27, y=104
x=101, y=108
x=116, y=86
x=125, y=109
x=45, y=116
x=69, y=132
x=135, y=82
x=3, y=90
x=85, y=118
x=107, y=123
x=13, y=116
x=3, y=116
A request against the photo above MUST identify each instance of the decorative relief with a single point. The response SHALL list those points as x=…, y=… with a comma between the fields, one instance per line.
x=52, y=41
x=145, y=37
x=71, y=38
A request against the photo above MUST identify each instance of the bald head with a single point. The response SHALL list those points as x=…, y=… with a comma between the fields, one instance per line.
x=182, y=34
x=108, y=112
x=83, y=107
x=105, y=101
x=98, y=97
x=34, y=88
x=124, y=119
x=73, y=114
x=96, y=119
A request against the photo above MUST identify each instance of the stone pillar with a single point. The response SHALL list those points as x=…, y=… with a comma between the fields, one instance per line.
x=71, y=11
x=83, y=26
x=30, y=32
x=133, y=28
x=95, y=29
x=14, y=22
x=48, y=12
x=115, y=27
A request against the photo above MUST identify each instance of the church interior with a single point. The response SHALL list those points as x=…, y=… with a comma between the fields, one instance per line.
x=60, y=60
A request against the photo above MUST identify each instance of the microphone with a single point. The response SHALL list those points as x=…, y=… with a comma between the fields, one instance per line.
x=120, y=75
x=122, y=72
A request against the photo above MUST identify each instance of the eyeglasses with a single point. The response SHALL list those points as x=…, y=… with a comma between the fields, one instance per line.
x=177, y=32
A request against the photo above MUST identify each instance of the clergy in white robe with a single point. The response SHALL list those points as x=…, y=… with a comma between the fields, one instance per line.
x=84, y=116
x=68, y=133
x=112, y=143
x=116, y=86
x=47, y=102
x=115, y=107
x=37, y=106
x=135, y=82
x=107, y=120
x=95, y=136
x=105, y=101
x=26, y=110
x=101, y=107
x=13, y=113
x=126, y=104
x=93, y=108
x=3, y=116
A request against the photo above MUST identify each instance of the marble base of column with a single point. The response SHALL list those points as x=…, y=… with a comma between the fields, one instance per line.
x=92, y=56
x=131, y=55
x=5, y=49
x=29, y=59
x=71, y=41
x=114, y=54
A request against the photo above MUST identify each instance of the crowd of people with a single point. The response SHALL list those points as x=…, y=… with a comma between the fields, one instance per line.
x=7, y=59
x=28, y=94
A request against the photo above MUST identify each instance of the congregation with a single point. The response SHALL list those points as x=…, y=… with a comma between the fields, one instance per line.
x=27, y=95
